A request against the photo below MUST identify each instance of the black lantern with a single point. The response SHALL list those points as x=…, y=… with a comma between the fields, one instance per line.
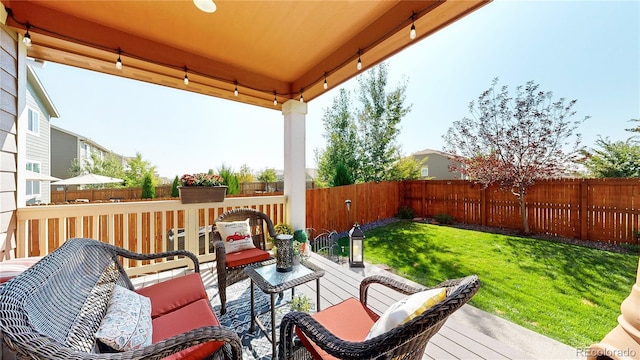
x=284, y=257
x=356, y=246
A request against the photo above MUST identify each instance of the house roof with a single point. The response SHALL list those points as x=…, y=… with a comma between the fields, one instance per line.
x=268, y=48
x=432, y=151
x=33, y=79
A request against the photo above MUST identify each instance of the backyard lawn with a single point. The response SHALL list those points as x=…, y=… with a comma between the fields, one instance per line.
x=566, y=292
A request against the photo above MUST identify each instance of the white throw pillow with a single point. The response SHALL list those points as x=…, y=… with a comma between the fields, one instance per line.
x=406, y=309
x=236, y=235
x=127, y=324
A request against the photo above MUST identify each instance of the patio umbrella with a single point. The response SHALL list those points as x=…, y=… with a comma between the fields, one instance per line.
x=31, y=175
x=86, y=179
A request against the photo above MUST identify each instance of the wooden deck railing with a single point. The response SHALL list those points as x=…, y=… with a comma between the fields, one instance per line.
x=137, y=226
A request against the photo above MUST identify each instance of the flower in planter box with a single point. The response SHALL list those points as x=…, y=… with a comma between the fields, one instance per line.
x=201, y=179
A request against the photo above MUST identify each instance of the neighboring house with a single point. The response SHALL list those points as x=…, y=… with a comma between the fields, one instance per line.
x=436, y=166
x=67, y=146
x=39, y=110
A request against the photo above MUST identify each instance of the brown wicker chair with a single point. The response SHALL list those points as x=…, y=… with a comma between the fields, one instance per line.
x=261, y=229
x=406, y=341
x=54, y=307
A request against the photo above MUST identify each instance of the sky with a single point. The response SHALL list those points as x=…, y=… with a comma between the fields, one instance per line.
x=584, y=50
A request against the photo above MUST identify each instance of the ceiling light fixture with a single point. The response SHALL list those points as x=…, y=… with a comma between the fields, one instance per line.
x=27, y=37
x=359, y=65
x=325, y=85
x=119, y=61
x=235, y=91
x=186, y=78
x=207, y=6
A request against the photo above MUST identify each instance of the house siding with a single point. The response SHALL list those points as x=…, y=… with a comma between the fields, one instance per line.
x=38, y=146
x=8, y=139
x=438, y=165
x=64, y=149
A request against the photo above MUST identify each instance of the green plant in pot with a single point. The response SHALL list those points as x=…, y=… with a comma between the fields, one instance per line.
x=301, y=302
x=299, y=244
x=280, y=229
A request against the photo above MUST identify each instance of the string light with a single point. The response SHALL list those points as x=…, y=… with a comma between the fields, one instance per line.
x=27, y=37
x=119, y=61
x=412, y=33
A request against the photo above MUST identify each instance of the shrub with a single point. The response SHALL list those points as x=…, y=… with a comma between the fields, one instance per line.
x=443, y=218
x=148, y=190
x=174, y=187
x=405, y=212
x=301, y=303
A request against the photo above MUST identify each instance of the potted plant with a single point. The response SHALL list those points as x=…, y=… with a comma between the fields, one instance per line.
x=301, y=302
x=201, y=187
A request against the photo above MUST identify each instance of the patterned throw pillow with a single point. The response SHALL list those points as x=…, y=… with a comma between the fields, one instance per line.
x=407, y=309
x=236, y=235
x=127, y=324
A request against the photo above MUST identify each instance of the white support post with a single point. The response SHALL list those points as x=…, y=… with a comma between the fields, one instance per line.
x=294, y=113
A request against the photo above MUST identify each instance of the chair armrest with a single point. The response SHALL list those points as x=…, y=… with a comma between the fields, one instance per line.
x=138, y=256
x=398, y=286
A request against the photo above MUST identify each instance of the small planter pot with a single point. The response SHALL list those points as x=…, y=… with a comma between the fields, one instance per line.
x=202, y=194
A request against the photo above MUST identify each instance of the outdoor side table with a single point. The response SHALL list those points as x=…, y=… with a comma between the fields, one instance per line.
x=272, y=282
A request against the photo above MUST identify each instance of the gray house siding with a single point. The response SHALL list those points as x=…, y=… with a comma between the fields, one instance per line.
x=38, y=148
x=8, y=142
x=436, y=165
x=64, y=149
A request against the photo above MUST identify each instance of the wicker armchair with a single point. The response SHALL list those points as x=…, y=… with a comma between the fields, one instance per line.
x=261, y=228
x=406, y=341
x=54, y=308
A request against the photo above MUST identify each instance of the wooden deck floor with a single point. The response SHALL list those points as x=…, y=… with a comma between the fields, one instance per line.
x=453, y=341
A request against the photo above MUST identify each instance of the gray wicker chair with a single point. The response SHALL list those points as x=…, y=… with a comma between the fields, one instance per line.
x=407, y=341
x=64, y=294
x=261, y=229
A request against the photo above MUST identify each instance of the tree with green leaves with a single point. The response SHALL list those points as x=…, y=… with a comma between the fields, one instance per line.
x=363, y=137
x=267, y=175
x=174, y=187
x=342, y=176
x=515, y=140
x=230, y=179
x=406, y=168
x=107, y=165
x=613, y=159
x=136, y=170
x=148, y=187
x=245, y=174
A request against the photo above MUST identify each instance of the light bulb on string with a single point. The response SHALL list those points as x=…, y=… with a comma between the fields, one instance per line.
x=301, y=98
x=119, y=61
x=275, y=100
x=325, y=85
x=235, y=91
x=359, y=65
x=27, y=37
x=186, y=78
x=412, y=33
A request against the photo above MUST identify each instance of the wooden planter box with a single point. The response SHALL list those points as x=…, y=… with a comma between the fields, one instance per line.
x=202, y=194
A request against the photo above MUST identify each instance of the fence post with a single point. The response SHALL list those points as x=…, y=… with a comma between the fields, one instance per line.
x=584, y=197
x=483, y=206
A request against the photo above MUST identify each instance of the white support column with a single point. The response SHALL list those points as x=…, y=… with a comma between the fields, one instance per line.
x=294, y=113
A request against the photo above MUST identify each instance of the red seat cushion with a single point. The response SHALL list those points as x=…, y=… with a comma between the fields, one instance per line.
x=245, y=257
x=173, y=294
x=348, y=320
x=190, y=317
x=14, y=267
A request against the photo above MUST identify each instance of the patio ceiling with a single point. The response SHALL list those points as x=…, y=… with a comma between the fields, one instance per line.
x=265, y=47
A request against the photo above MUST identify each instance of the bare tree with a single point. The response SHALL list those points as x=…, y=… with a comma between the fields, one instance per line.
x=514, y=141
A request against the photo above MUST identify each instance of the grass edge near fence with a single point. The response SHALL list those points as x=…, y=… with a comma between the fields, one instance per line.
x=577, y=293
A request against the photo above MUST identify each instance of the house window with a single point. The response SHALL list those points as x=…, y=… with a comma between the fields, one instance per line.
x=424, y=172
x=33, y=186
x=34, y=121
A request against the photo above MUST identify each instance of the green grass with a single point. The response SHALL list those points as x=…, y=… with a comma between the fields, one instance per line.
x=566, y=292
